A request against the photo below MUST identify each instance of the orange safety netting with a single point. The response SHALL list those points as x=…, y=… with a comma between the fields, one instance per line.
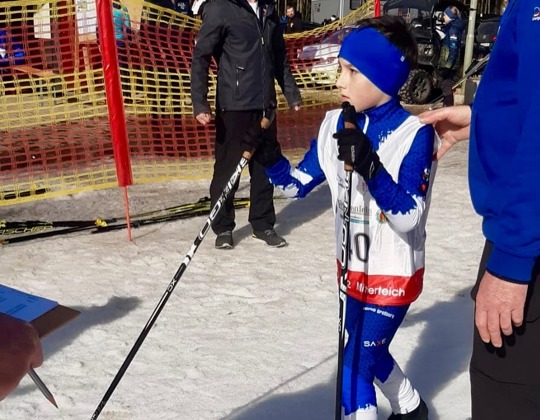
x=64, y=130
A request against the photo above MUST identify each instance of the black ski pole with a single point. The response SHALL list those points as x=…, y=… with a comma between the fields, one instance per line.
x=50, y=229
x=265, y=124
x=47, y=234
x=349, y=119
x=33, y=226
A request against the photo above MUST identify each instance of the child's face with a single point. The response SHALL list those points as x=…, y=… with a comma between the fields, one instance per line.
x=357, y=89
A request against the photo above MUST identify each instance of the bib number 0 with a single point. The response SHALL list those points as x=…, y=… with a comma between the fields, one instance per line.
x=360, y=245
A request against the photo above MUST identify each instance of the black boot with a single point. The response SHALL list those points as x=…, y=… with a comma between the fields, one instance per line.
x=419, y=413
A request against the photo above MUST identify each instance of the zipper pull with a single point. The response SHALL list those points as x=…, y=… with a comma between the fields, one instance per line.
x=262, y=40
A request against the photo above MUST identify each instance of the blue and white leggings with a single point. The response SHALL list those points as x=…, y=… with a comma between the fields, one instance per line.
x=367, y=361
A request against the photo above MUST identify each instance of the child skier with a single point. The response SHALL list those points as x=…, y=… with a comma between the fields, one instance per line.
x=392, y=161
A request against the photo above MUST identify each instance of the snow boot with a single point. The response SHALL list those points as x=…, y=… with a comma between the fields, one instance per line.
x=419, y=413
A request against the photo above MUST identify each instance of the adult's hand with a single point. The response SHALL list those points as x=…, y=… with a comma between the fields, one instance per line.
x=500, y=306
x=204, y=118
x=20, y=349
x=452, y=123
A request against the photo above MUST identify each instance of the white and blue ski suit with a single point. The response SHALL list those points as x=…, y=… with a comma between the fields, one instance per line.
x=387, y=231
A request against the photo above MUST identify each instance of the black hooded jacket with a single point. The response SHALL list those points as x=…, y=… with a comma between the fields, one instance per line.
x=294, y=24
x=250, y=54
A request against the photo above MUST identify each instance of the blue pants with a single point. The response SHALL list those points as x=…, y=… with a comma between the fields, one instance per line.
x=371, y=329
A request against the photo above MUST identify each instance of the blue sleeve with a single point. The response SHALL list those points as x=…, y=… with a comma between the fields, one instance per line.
x=297, y=182
x=403, y=202
x=517, y=239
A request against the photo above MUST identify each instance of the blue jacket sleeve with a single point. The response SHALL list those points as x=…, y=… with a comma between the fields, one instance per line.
x=403, y=202
x=517, y=239
x=297, y=182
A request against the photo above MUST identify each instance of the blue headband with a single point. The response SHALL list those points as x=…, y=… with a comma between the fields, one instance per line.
x=448, y=12
x=376, y=58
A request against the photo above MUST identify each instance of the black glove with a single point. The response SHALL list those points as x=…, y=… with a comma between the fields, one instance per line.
x=268, y=153
x=354, y=148
x=253, y=138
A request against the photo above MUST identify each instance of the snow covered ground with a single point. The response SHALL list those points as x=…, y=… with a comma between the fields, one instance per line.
x=248, y=333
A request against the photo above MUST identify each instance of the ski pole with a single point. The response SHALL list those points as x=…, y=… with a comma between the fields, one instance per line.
x=33, y=226
x=349, y=119
x=48, y=229
x=265, y=124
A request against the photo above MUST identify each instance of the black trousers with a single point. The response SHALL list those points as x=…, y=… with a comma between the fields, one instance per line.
x=446, y=86
x=505, y=382
x=230, y=128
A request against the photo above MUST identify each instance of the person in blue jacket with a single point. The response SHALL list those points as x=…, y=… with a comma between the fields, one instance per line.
x=449, y=59
x=11, y=51
x=504, y=178
x=11, y=54
x=122, y=29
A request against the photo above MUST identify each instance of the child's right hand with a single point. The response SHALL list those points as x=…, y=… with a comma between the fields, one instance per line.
x=354, y=148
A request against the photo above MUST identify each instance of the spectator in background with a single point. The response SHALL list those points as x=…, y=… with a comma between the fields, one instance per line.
x=246, y=41
x=450, y=52
x=20, y=349
x=122, y=23
x=330, y=20
x=294, y=21
x=182, y=6
x=11, y=52
x=122, y=29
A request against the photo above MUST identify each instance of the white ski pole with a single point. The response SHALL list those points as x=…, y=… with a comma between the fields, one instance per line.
x=265, y=124
x=349, y=119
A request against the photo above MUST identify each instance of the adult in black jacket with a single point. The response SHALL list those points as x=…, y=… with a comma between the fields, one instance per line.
x=294, y=21
x=246, y=41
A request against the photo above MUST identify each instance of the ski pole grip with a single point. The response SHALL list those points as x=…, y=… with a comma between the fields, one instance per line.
x=349, y=121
